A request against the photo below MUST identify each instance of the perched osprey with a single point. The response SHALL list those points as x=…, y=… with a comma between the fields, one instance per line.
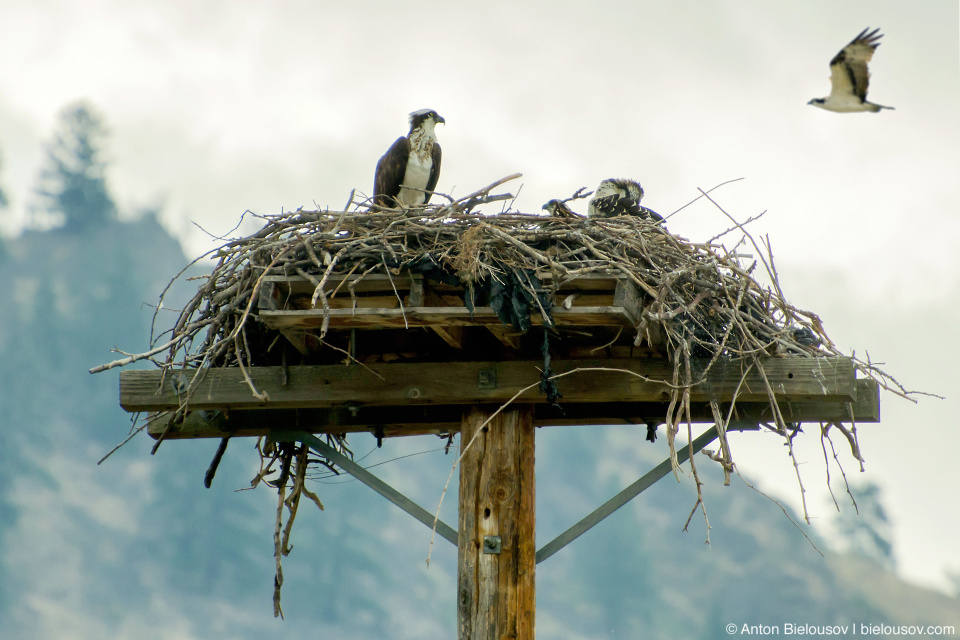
x=619, y=197
x=559, y=209
x=408, y=172
x=849, y=76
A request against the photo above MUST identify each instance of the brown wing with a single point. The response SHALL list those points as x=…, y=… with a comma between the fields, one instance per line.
x=434, y=174
x=848, y=69
x=563, y=211
x=559, y=209
x=389, y=174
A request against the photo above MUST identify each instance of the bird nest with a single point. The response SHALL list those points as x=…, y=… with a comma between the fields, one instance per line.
x=699, y=302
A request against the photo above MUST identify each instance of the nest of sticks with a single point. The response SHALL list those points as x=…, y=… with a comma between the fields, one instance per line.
x=702, y=301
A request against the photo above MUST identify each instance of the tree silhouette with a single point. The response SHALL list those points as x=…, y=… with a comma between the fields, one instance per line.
x=72, y=187
x=3, y=196
x=3, y=205
x=868, y=533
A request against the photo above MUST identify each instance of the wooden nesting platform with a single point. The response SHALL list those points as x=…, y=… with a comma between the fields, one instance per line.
x=404, y=356
x=380, y=301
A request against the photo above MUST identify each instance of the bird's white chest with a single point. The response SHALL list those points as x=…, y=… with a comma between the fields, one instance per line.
x=844, y=104
x=416, y=176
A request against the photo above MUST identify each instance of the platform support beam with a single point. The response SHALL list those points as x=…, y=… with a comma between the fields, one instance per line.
x=333, y=456
x=496, y=548
x=625, y=496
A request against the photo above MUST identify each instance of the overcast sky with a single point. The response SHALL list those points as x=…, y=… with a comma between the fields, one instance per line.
x=219, y=107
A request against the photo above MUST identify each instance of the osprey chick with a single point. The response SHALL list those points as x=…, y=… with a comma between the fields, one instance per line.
x=408, y=172
x=559, y=209
x=619, y=197
x=849, y=76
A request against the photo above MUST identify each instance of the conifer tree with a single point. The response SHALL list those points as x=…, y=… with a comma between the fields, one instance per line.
x=3, y=196
x=72, y=186
x=4, y=203
x=868, y=532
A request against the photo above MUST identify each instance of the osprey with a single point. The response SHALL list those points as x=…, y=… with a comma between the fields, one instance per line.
x=408, y=172
x=849, y=76
x=559, y=209
x=619, y=197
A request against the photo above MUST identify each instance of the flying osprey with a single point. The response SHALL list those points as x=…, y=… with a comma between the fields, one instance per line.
x=559, y=209
x=849, y=76
x=619, y=197
x=408, y=172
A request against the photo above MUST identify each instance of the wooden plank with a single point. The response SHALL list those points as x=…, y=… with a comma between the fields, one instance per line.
x=390, y=421
x=584, y=282
x=627, y=296
x=508, y=336
x=268, y=295
x=373, y=282
x=427, y=297
x=611, y=301
x=445, y=419
x=866, y=409
x=370, y=283
x=792, y=379
x=497, y=590
x=605, y=316
x=366, y=302
x=453, y=336
x=580, y=299
x=269, y=300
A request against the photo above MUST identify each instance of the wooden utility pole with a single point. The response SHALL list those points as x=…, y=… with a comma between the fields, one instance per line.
x=496, y=549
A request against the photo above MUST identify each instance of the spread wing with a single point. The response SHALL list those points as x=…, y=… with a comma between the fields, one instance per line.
x=848, y=69
x=434, y=174
x=389, y=174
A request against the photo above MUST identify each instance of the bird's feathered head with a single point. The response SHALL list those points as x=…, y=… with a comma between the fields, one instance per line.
x=618, y=197
x=417, y=118
x=622, y=188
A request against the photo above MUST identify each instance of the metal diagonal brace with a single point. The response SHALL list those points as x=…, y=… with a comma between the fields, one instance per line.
x=443, y=529
x=624, y=496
